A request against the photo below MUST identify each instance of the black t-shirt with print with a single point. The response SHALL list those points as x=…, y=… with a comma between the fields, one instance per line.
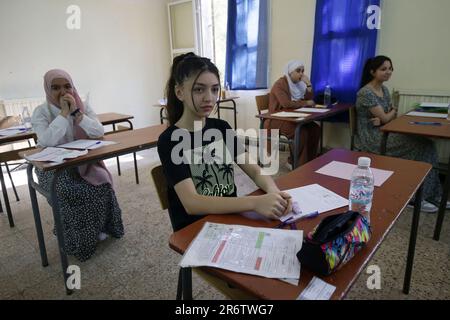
x=207, y=161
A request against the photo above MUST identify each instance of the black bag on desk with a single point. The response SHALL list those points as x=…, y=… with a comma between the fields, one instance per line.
x=334, y=242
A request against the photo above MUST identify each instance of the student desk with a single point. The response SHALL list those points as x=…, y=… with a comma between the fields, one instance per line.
x=219, y=107
x=4, y=157
x=127, y=142
x=389, y=201
x=402, y=125
x=113, y=119
x=334, y=110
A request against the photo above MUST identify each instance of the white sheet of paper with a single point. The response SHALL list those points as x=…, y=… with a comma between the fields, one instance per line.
x=427, y=114
x=86, y=144
x=285, y=114
x=52, y=154
x=265, y=252
x=344, y=170
x=314, y=110
x=434, y=105
x=317, y=289
x=313, y=198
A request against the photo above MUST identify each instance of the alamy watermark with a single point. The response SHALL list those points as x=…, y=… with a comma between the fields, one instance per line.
x=374, y=280
x=74, y=277
x=230, y=150
x=73, y=22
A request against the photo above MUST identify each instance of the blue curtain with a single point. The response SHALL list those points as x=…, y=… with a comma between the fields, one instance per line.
x=342, y=44
x=247, y=44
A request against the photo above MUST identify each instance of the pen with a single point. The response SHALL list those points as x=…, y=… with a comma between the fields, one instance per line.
x=426, y=123
x=92, y=145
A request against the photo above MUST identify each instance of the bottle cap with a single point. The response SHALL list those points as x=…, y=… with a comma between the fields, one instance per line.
x=364, y=162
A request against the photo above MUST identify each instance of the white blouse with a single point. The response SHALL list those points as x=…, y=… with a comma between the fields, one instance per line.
x=52, y=129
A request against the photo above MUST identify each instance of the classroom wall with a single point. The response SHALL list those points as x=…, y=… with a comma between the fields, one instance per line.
x=120, y=55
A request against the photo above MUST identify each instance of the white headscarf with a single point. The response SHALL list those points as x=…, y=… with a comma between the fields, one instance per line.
x=297, y=90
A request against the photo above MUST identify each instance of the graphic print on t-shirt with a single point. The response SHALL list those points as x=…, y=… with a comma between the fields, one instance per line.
x=213, y=178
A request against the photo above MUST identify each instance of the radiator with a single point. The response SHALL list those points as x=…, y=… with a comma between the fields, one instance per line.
x=14, y=107
x=406, y=99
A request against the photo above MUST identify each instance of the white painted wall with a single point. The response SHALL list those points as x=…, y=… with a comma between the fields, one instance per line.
x=120, y=55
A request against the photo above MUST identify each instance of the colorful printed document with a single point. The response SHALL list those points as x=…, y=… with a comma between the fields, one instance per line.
x=264, y=252
x=344, y=170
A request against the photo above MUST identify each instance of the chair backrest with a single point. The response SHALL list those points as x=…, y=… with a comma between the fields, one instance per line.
x=262, y=102
x=352, y=124
x=159, y=179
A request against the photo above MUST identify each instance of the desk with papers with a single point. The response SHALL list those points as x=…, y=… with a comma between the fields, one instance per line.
x=388, y=203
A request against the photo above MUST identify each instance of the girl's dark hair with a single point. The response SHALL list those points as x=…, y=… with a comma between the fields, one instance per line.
x=183, y=67
x=372, y=65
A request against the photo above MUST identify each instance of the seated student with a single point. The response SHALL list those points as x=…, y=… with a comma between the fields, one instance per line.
x=196, y=188
x=373, y=109
x=290, y=92
x=88, y=204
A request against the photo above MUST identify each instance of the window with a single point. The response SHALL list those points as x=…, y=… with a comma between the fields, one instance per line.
x=342, y=44
x=247, y=44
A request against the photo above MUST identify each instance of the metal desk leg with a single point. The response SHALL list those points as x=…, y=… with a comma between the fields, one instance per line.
x=59, y=229
x=12, y=183
x=321, y=137
x=37, y=216
x=186, y=276
x=384, y=143
x=442, y=206
x=136, y=173
x=5, y=197
x=235, y=116
x=296, y=146
x=117, y=158
x=412, y=240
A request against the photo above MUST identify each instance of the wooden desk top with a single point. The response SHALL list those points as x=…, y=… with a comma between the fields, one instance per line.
x=111, y=117
x=17, y=137
x=334, y=110
x=127, y=142
x=389, y=201
x=402, y=125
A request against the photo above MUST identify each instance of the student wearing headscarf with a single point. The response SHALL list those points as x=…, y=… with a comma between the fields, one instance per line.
x=88, y=204
x=290, y=92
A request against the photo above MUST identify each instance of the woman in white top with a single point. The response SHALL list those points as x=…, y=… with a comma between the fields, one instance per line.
x=88, y=204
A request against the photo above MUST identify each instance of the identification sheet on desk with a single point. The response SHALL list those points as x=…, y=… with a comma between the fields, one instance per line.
x=264, y=252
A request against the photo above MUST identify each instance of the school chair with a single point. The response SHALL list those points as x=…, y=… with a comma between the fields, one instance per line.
x=262, y=104
x=8, y=153
x=184, y=286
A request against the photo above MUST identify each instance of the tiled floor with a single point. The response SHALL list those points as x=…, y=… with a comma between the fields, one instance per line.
x=142, y=266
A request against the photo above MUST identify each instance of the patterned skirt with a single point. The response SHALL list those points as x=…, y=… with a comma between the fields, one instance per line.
x=86, y=210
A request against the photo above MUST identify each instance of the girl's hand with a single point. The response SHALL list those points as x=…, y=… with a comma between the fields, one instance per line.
x=65, y=107
x=78, y=117
x=273, y=205
x=70, y=101
x=306, y=80
x=376, y=122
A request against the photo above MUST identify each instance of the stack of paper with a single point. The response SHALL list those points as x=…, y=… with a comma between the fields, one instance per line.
x=314, y=198
x=56, y=155
x=285, y=114
x=265, y=252
x=344, y=170
x=13, y=130
x=85, y=144
x=314, y=110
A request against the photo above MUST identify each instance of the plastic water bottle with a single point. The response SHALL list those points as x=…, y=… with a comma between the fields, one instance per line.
x=361, y=188
x=327, y=96
x=26, y=117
